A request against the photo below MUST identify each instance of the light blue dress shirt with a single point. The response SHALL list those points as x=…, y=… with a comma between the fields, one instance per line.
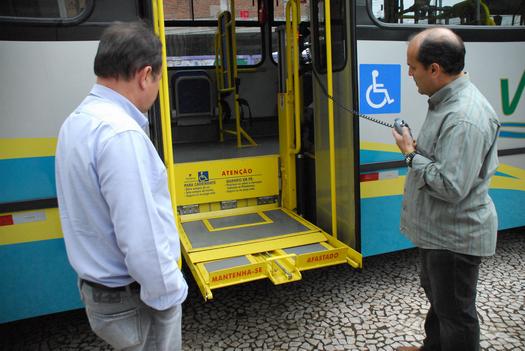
x=115, y=207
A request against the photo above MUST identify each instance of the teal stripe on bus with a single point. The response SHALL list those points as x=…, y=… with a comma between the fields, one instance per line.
x=515, y=135
x=380, y=219
x=371, y=156
x=25, y=179
x=36, y=280
x=512, y=134
x=512, y=124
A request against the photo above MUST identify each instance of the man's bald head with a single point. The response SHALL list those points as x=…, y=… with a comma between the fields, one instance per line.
x=442, y=46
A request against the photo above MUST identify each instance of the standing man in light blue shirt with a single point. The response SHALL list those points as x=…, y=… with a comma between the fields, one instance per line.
x=114, y=203
x=447, y=211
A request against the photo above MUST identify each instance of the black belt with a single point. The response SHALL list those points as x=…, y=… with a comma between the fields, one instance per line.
x=131, y=286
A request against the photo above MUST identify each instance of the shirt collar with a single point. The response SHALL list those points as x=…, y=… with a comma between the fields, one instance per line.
x=448, y=90
x=106, y=93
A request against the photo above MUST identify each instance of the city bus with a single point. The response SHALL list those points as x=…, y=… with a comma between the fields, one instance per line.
x=273, y=122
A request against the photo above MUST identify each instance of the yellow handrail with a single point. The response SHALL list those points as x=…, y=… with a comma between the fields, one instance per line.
x=293, y=69
x=232, y=72
x=329, y=83
x=219, y=75
x=165, y=111
x=158, y=14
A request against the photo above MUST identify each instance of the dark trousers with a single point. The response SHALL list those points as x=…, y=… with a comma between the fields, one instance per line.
x=449, y=280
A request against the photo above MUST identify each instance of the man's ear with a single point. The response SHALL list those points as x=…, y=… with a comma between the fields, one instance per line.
x=435, y=69
x=143, y=75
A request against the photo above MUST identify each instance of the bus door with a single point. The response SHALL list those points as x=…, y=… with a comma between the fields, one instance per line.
x=336, y=129
x=234, y=142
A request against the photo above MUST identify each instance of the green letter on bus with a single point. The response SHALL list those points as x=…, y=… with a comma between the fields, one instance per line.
x=510, y=106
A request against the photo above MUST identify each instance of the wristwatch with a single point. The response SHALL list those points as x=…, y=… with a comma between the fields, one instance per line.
x=409, y=157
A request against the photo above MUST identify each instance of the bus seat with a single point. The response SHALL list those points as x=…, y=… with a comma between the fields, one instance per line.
x=193, y=98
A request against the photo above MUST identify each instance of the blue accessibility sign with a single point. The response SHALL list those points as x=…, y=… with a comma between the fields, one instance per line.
x=379, y=88
x=203, y=176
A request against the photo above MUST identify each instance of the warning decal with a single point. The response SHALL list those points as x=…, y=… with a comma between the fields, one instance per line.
x=222, y=180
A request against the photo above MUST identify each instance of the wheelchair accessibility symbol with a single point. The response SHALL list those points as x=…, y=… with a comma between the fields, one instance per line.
x=377, y=89
x=203, y=176
x=380, y=87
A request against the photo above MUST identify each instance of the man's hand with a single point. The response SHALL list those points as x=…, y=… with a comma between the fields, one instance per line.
x=404, y=142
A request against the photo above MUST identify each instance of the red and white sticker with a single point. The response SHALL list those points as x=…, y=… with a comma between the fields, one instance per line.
x=19, y=218
x=367, y=177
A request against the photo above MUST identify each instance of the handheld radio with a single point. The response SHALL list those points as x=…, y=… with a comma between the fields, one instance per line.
x=399, y=124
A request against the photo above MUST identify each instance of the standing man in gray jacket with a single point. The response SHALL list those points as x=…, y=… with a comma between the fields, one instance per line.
x=447, y=211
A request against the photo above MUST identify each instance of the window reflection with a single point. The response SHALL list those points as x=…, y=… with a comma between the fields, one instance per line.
x=42, y=8
x=451, y=12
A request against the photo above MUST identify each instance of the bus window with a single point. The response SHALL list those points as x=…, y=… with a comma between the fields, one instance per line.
x=198, y=10
x=450, y=12
x=338, y=16
x=279, y=11
x=191, y=28
x=280, y=19
x=49, y=9
x=195, y=46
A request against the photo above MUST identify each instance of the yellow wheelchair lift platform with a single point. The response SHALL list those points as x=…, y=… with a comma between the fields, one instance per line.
x=235, y=216
x=257, y=239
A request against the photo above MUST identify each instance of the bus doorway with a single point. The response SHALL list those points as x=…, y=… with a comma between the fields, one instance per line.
x=235, y=140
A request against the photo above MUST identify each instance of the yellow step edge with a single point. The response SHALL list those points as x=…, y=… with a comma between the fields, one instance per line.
x=354, y=258
x=240, y=243
x=319, y=259
x=255, y=247
x=236, y=275
x=200, y=277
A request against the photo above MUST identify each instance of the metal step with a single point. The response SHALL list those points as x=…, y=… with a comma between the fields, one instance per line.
x=235, y=246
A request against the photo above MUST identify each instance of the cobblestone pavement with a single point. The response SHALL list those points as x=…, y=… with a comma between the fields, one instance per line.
x=335, y=308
